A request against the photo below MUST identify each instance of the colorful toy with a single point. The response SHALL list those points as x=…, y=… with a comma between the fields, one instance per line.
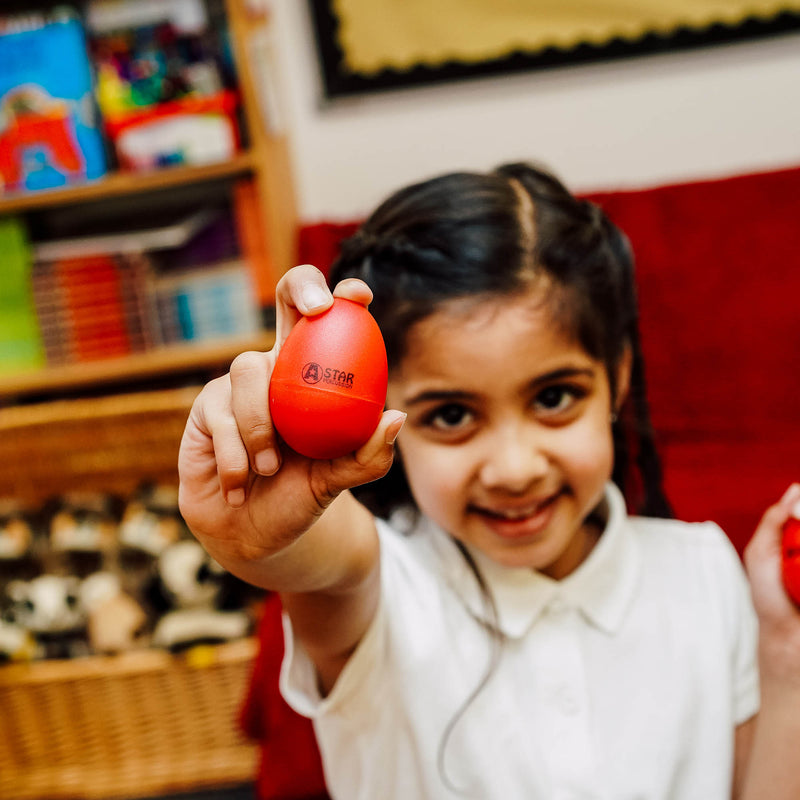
x=328, y=387
x=791, y=558
x=49, y=134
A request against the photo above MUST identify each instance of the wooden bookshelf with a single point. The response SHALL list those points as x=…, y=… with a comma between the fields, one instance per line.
x=120, y=184
x=265, y=160
x=166, y=361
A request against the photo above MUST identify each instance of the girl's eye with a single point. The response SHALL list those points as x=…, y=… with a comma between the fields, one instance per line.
x=557, y=398
x=449, y=417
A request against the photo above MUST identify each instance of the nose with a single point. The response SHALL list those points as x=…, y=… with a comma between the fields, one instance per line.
x=514, y=459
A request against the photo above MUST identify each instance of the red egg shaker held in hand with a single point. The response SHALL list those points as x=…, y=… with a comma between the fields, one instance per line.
x=790, y=552
x=328, y=387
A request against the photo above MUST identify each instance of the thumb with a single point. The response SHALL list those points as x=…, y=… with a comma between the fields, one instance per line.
x=373, y=459
x=766, y=541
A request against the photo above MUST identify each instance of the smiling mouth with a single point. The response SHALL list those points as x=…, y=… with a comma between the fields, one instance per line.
x=530, y=512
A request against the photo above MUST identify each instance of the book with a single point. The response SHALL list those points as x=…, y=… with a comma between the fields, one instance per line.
x=252, y=240
x=51, y=135
x=20, y=339
x=214, y=302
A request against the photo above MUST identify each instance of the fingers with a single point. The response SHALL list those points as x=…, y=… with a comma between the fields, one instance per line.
x=230, y=433
x=766, y=541
x=230, y=437
x=763, y=560
x=354, y=289
x=249, y=382
x=303, y=291
x=213, y=454
x=368, y=463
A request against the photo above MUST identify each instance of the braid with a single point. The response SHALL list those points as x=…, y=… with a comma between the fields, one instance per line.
x=654, y=502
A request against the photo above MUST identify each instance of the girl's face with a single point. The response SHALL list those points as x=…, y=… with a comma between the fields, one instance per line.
x=507, y=445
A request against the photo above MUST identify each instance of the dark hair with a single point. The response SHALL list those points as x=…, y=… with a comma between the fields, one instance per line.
x=469, y=234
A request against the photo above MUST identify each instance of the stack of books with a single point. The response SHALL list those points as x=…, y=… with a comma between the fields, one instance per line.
x=122, y=293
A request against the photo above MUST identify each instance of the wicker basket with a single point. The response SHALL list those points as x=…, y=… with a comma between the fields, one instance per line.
x=132, y=725
x=104, y=443
x=141, y=723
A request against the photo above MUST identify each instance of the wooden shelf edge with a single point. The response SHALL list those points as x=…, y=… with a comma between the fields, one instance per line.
x=153, y=363
x=117, y=184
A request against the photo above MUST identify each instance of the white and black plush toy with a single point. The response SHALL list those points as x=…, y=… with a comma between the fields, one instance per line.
x=192, y=590
x=16, y=644
x=49, y=607
x=151, y=520
x=83, y=522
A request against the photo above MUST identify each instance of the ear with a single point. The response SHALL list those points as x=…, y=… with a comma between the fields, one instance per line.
x=623, y=379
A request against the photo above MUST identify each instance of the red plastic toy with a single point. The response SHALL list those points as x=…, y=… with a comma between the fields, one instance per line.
x=328, y=387
x=791, y=559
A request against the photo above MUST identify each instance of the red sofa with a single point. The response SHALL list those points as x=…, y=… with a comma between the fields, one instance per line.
x=718, y=267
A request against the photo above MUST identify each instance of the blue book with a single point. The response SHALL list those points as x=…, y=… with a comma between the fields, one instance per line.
x=50, y=134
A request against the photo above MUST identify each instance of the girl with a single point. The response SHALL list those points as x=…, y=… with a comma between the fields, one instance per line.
x=486, y=620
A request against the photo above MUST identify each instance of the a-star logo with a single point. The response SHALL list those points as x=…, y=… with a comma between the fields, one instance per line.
x=312, y=373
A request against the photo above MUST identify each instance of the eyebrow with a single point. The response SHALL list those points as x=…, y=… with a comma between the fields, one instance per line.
x=456, y=395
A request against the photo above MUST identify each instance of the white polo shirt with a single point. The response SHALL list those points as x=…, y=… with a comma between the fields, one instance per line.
x=623, y=681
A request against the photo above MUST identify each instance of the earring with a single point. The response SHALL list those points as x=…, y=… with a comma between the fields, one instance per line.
x=613, y=417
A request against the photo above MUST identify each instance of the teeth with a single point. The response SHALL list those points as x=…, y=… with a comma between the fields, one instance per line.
x=517, y=514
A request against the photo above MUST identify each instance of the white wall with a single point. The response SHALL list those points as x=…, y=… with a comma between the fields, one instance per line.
x=724, y=110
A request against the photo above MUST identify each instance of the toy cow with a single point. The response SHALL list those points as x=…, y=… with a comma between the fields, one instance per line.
x=49, y=607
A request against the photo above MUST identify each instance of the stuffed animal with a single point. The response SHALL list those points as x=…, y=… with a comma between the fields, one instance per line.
x=193, y=592
x=151, y=520
x=16, y=531
x=16, y=644
x=115, y=621
x=49, y=607
x=83, y=522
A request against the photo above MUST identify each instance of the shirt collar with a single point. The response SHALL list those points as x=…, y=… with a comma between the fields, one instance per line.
x=601, y=589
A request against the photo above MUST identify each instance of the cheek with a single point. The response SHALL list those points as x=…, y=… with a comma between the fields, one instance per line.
x=589, y=454
x=436, y=479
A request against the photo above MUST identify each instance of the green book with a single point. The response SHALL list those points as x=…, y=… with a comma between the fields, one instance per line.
x=20, y=339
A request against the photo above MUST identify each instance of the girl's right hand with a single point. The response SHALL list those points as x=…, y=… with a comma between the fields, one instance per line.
x=779, y=617
x=242, y=493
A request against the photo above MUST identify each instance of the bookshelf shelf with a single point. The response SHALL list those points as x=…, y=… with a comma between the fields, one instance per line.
x=269, y=224
x=107, y=419
x=131, y=368
x=120, y=184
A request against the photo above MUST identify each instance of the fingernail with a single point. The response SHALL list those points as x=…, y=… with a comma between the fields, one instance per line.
x=235, y=497
x=314, y=296
x=267, y=462
x=394, y=429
